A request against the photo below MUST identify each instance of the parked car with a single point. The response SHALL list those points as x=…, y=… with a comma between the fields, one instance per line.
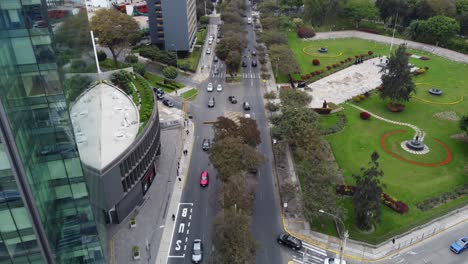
x=333, y=261
x=208, y=51
x=289, y=241
x=254, y=63
x=458, y=246
x=168, y=103
x=215, y=59
x=210, y=41
x=158, y=90
x=232, y=99
x=209, y=88
x=219, y=88
x=244, y=64
x=218, y=40
x=197, y=251
x=254, y=53
x=204, y=178
x=216, y=71
x=246, y=106
x=160, y=96
x=301, y=84
x=211, y=102
x=249, y=20
x=206, y=144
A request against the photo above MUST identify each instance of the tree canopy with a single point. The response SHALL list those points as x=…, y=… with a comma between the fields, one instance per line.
x=396, y=78
x=281, y=56
x=367, y=198
x=360, y=9
x=74, y=32
x=114, y=30
x=170, y=72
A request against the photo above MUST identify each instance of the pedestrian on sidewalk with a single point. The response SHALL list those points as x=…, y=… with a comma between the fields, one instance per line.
x=173, y=217
x=185, y=152
x=187, y=131
x=176, y=92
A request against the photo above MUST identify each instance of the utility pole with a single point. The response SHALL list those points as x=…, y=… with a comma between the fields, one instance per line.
x=205, y=7
x=344, y=236
x=393, y=36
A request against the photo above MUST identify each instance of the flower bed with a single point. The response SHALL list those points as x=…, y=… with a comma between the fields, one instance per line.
x=315, y=62
x=305, y=33
x=392, y=203
x=424, y=58
x=365, y=115
x=448, y=153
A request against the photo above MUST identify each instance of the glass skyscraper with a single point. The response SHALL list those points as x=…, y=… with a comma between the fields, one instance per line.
x=45, y=211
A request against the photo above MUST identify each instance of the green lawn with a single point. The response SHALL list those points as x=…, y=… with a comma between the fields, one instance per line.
x=156, y=80
x=407, y=182
x=190, y=94
x=192, y=59
x=108, y=64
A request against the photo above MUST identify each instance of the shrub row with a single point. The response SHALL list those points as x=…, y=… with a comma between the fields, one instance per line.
x=147, y=99
x=361, y=97
x=340, y=64
x=337, y=127
x=432, y=202
x=392, y=203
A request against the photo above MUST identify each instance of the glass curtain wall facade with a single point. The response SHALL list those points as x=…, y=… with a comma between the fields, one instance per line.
x=41, y=43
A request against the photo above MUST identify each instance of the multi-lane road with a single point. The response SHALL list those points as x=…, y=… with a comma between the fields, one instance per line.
x=197, y=209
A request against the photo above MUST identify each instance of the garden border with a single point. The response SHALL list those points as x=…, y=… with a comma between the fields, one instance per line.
x=448, y=156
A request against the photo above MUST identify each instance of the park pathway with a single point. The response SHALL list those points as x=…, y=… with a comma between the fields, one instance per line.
x=446, y=53
x=416, y=129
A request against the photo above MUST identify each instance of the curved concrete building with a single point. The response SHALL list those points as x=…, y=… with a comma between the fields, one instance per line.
x=117, y=153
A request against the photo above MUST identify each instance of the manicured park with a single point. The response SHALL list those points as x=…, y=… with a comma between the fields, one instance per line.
x=407, y=177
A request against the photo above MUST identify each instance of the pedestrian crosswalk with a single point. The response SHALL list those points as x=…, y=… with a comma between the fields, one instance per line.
x=250, y=75
x=222, y=75
x=309, y=255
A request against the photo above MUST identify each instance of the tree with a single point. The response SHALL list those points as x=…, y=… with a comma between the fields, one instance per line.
x=298, y=22
x=204, y=20
x=122, y=79
x=367, y=198
x=295, y=97
x=429, y=8
x=228, y=44
x=75, y=85
x=233, y=62
x=139, y=68
x=439, y=29
x=273, y=37
x=396, y=78
x=318, y=11
x=318, y=189
x=233, y=239
x=464, y=124
x=230, y=156
x=249, y=132
x=272, y=107
x=114, y=30
x=360, y=9
x=225, y=127
x=74, y=32
x=170, y=72
x=389, y=8
x=102, y=56
x=238, y=192
x=282, y=57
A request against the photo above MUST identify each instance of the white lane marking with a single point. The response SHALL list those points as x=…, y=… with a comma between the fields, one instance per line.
x=173, y=229
x=188, y=231
x=186, y=239
x=185, y=247
x=188, y=224
x=315, y=249
x=170, y=256
x=181, y=228
x=317, y=258
x=190, y=217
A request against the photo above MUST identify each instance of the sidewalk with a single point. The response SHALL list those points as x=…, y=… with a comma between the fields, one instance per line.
x=165, y=242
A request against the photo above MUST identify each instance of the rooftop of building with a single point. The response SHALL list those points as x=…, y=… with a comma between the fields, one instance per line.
x=105, y=121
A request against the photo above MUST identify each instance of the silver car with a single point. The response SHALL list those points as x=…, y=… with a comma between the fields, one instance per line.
x=197, y=251
x=209, y=88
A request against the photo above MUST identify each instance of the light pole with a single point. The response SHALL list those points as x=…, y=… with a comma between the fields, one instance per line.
x=176, y=58
x=344, y=236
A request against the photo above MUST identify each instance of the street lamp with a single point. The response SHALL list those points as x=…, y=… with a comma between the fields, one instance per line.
x=343, y=236
x=177, y=60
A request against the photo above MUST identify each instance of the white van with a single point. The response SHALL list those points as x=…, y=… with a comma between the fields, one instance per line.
x=249, y=20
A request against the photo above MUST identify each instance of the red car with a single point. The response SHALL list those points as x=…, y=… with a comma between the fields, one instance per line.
x=204, y=179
